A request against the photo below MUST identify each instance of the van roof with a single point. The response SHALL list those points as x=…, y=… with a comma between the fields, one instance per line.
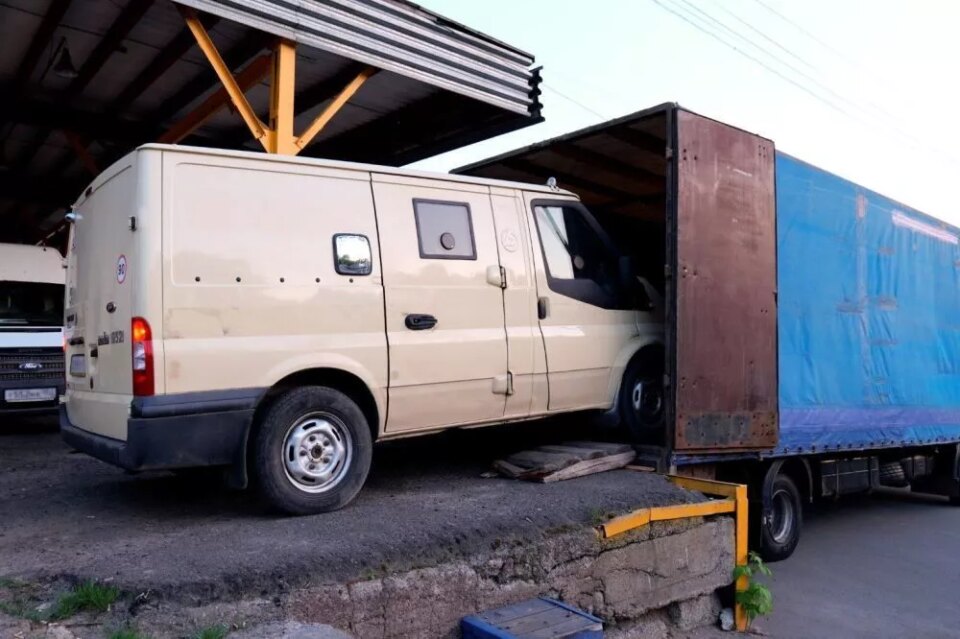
x=27, y=263
x=354, y=166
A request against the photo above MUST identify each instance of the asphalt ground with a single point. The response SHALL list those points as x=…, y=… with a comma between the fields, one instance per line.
x=886, y=565
x=64, y=514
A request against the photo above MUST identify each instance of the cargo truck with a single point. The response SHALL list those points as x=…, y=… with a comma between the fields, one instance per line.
x=741, y=314
x=812, y=325
x=31, y=330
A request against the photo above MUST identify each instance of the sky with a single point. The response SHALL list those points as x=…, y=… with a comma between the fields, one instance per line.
x=869, y=90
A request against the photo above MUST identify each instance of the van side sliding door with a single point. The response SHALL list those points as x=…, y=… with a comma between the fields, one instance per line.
x=444, y=303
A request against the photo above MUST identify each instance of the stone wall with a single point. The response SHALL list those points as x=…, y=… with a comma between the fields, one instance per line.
x=665, y=573
x=652, y=583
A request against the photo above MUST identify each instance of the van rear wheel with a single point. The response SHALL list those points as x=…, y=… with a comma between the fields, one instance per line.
x=313, y=451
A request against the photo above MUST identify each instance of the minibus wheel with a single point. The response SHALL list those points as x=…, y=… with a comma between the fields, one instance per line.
x=313, y=451
x=642, y=400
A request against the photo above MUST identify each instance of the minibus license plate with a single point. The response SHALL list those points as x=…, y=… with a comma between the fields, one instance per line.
x=78, y=365
x=30, y=394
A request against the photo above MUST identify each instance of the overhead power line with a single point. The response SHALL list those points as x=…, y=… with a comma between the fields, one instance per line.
x=722, y=32
x=699, y=26
x=575, y=102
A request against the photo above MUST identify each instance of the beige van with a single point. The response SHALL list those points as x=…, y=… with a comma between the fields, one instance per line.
x=278, y=315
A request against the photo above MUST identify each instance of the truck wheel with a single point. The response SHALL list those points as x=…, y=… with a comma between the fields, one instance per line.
x=313, y=451
x=780, y=528
x=642, y=401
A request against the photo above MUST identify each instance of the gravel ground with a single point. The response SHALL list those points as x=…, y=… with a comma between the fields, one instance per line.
x=188, y=538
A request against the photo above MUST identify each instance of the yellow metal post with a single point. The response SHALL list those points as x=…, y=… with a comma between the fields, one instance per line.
x=327, y=114
x=737, y=492
x=257, y=128
x=280, y=137
x=741, y=551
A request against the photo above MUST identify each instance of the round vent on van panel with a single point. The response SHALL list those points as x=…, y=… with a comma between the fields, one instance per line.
x=447, y=241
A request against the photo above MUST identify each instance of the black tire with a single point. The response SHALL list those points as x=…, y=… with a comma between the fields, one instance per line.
x=643, y=417
x=955, y=501
x=330, y=417
x=780, y=530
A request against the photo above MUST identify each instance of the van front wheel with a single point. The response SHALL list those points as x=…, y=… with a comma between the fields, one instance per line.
x=313, y=451
x=642, y=400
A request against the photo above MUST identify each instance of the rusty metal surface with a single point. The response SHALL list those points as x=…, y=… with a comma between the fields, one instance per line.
x=726, y=320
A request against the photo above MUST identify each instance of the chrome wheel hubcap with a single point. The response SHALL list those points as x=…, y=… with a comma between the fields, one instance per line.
x=647, y=400
x=317, y=452
x=781, y=527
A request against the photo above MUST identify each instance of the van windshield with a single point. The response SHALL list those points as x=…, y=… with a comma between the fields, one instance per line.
x=31, y=304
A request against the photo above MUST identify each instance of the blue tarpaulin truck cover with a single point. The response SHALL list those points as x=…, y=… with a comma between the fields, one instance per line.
x=869, y=317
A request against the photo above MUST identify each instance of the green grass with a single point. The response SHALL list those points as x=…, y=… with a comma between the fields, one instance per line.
x=126, y=633
x=87, y=596
x=212, y=632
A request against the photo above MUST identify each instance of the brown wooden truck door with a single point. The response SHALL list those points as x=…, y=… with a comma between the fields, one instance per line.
x=725, y=329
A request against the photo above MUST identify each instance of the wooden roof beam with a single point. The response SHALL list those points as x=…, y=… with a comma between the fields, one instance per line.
x=159, y=65
x=129, y=16
x=41, y=38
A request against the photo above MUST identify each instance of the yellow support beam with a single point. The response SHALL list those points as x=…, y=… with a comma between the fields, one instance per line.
x=80, y=148
x=327, y=114
x=644, y=516
x=707, y=486
x=257, y=128
x=251, y=74
x=280, y=137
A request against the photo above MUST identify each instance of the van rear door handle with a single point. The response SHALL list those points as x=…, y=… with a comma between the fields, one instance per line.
x=418, y=322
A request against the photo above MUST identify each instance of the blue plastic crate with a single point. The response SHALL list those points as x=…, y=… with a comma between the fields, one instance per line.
x=539, y=618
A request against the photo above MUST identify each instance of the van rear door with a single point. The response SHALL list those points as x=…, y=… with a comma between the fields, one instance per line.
x=101, y=257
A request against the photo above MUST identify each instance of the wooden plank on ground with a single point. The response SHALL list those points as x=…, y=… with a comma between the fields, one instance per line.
x=535, y=459
x=590, y=466
x=556, y=462
x=610, y=447
x=580, y=453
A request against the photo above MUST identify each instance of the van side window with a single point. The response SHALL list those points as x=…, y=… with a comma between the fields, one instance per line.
x=444, y=230
x=580, y=262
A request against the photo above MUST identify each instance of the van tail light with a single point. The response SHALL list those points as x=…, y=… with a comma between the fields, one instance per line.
x=142, y=349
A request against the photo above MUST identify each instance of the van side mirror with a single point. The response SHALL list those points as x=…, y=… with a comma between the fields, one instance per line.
x=630, y=287
x=627, y=273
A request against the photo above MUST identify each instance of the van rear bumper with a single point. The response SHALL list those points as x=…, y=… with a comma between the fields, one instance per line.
x=164, y=434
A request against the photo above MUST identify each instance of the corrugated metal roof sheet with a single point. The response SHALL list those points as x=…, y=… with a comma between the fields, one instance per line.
x=396, y=36
x=440, y=86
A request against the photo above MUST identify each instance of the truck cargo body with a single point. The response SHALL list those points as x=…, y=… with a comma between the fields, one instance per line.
x=812, y=325
x=869, y=318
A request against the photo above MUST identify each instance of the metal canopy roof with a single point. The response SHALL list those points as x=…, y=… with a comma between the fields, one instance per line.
x=139, y=72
